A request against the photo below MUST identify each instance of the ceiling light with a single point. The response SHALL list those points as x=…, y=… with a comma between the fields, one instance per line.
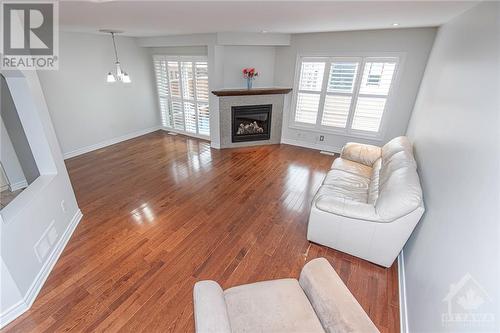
x=120, y=74
x=110, y=78
x=395, y=24
x=126, y=78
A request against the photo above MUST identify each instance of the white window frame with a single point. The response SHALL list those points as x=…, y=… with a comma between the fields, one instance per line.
x=179, y=59
x=398, y=58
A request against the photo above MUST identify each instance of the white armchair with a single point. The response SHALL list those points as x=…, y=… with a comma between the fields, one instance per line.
x=369, y=202
x=318, y=302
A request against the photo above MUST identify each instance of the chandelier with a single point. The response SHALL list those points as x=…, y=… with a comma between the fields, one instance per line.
x=120, y=74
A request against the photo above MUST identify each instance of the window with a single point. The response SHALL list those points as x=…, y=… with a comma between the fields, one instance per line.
x=347, y=95
x=182, y=84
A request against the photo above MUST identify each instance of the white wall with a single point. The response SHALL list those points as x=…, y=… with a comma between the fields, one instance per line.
x=86, y=110
x=262, y=58
x=455, y=128
x=26, y=219
x=413, y=44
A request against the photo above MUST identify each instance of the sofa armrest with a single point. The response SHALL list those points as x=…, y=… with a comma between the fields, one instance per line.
x=210, y=312
x=348, y=208
x=335, y=306
x=361, y=153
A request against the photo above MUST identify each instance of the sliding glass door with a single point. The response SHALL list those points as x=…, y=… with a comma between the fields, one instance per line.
x=182, y=84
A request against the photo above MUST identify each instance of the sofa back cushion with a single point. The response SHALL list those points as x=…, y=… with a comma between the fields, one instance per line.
x=401, y=143
x=399, y=185
x=399, y=195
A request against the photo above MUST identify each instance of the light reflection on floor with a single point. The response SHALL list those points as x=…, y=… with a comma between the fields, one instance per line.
x=143, y=214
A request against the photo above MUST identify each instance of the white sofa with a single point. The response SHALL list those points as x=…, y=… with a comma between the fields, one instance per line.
x=318, y=302
x=369, y=202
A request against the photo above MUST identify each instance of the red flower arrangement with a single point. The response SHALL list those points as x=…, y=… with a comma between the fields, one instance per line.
x=250, y=73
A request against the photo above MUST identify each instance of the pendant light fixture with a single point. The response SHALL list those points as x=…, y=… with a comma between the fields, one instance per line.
x=120, y=74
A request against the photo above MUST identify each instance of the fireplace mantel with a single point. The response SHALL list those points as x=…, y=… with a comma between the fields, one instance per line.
x=253, y=91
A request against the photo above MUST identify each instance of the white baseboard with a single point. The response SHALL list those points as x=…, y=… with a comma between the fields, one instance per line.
x=109, y=142
x=403, y=314
x=18, y=185
x=25, y=304
x=317, y=146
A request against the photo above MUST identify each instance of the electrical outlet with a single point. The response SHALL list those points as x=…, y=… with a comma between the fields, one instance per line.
x=321, y=138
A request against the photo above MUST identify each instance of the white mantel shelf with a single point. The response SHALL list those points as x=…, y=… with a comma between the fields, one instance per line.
x=253, y=91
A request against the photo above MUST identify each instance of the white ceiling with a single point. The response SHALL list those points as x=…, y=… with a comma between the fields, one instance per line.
x=157, y=18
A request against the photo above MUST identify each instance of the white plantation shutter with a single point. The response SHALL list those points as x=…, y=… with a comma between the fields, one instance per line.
x=346, y=94
x=160, y=68
x=182, y=84
x=201, y=71
x=178, y=115
x=342, y=77
x=203, y=119
x=309, y=94
x=341, y=80
x=373, y=92
x=307, y=108
x=336, y=110
x=368, y=113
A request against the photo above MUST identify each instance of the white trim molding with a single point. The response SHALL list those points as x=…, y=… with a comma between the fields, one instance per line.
x=25, y=304
x=18, y=185
x=317, y=146
x=403, y=311
x=109, y=142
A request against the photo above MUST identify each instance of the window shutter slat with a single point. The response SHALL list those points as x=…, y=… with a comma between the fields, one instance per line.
x=311, y=76
x=189, y=117
x=342, y=77
x=160, y=68
x=336, y=110
x=174, y=78
x=368, y=114
x=177, y=115
x=377, y=78
x=187, y=80
x=307, y=108
x=202, y=80
x=203, y=119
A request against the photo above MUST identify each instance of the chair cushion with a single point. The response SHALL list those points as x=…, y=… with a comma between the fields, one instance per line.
x=352, y=167
x=271, y=306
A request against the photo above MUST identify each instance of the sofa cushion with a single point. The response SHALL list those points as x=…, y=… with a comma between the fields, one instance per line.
x=347, y=180
x=401, y=143
x=352, y=167
x=400, y=194
x=346, y=192
x=271, y=306
x=361, y=153
x=373, y=187
x=402, y=159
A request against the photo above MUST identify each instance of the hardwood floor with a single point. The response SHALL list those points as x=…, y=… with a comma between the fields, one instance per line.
x=162, y=212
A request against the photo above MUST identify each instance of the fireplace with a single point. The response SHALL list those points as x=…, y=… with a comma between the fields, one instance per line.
x=251, y=122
